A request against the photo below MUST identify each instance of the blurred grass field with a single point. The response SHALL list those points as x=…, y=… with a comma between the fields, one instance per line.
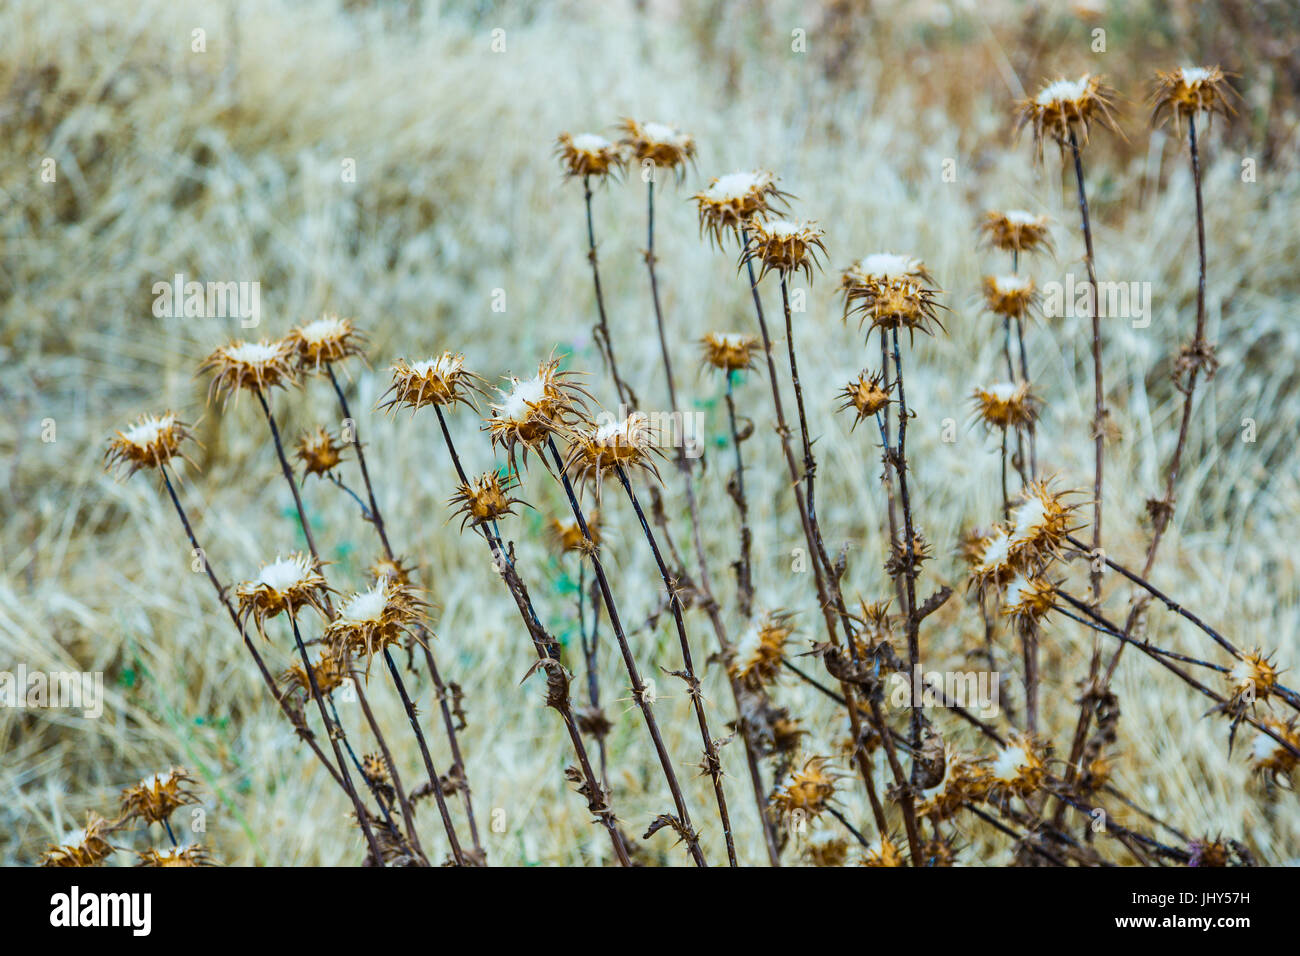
x=225, y=165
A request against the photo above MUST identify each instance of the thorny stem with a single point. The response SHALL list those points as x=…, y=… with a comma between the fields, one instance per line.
x=744, y=567
x=434, y=782
x=831, y=606
x=604, y=340
x=335, y=733
x=295, y=719
x=548, y=654
x=370, y=784
x=1165, y=512
x=712, y=762
x=311, y=544
x=688, y=833
x=590, y=647
x=376, y=518
x=1099, y=399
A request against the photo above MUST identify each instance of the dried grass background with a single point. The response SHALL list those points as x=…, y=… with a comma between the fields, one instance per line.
x=225, y=166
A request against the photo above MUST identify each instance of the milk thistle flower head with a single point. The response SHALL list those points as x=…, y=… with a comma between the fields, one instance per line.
x=1181, y=94
x=1017, y=769
x=880, y=267
x=883, y=853
x=392, y=569
x=155, y=797
x=1005, y=405
x=88, y=847
x=285, y=584
x=1016, y=231
x=328, y=671
x=319, y=452
x=1010, y=296
x=888, y=304
x=188, y=854
x=1268, y=757
x=1040, y=523
x=151, y=442
x=730, y=201
x=1028, y=597
x=373, y=620
x=825, y=847
x=325, y=341
x=784, y=246
x=963, y=780
x=442, y=381
x=807, y=791
x=567, y=536
x=627, y=444
x=664, y=147
x=588, y=154
x=757, y=655
x=1064, y=107
x=867, y=394
x=729, y=351
x=485, y=499
x=528, y=411
x=259, y=366
x=1252, y=678
x=992, y=563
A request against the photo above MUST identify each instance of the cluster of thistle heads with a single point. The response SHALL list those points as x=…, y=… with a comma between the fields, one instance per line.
x=151, y=801
x=552, y=417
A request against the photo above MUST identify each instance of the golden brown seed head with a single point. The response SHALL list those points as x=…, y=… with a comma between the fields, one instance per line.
x=392, y=569
x=319, y=452
x=807, y=791
x=90, y=847
x=1016, y=231
x=665, y=147
x=528, y=411
x=190, y=854
x=1016, y=769
x=1181, y=94
x=567, y=536
x=784, y=246
x=825, y=847
x=731, y=201
x=485, y=499
x=370, y=621
x=1067, y=107
x=963, y=779
x=628, y=444
x=156, y=797
x=992, y=563
x=883, y=267
x=286, y=584
x=883, y=853
x=890, y=304
x=1028, y=597
x=151, y=442
x=258, y=366
x=1040, y=523
x=1005, y=405
x=730, y=351
x=1253, y=677
x=328, y=671
x=757, y=655
x=1268, y=756
x=1010, y=296
x=588, y=154
x=867, y=394
x=440, y=381
x=325, y=341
